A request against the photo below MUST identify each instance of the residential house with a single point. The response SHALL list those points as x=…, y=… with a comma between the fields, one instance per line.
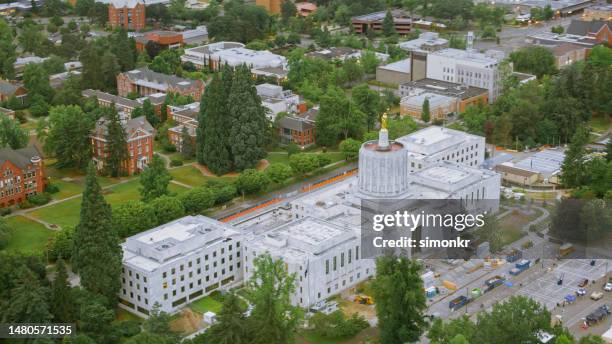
x=8, y=90
x=7, y=112
x=139, y=134
x=22, y=175
x=304, y=9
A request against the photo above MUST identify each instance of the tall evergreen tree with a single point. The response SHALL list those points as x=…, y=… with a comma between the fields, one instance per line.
x=187, y=148
x=116, y=144
x=28, y=303
x=425, y=115
x=400, y=302
x=249, y=122
x=213, y=129
x=388, y=25
x=7, y=51
x=62, y=305
x=124, y=48
x=154, y=180
x=97, y=254
x=573, y=168
x=149, y=112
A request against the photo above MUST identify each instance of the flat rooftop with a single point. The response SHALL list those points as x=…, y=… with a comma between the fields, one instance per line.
x=434, y=139
x=402, y=66
x=435, y=100
x=159, y=245
x=306, y=236
x=446, y=88
x=491, y=57
x=444, y=174
x=547, y=162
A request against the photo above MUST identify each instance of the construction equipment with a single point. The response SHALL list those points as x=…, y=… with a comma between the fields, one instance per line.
x=364, y=300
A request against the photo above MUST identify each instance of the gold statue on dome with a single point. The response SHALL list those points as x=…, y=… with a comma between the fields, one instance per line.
x=383, y=121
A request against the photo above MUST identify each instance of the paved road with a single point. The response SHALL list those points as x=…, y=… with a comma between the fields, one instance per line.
x=513, y=38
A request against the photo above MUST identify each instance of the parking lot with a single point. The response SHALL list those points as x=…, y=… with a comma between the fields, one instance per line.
x=545, y=289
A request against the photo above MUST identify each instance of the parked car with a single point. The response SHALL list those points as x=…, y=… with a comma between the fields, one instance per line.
x=598, y=315
x=596, y=295
x=608, y=286
x=581, y=292
x=583, y=283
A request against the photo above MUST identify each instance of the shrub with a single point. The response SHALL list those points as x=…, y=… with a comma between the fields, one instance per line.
x=197, y=199
x=279, y=172
x=336, y=325
x=303, y=163
x=252, y=181
x=129, y=328
x=52, y=188
x=39, y=199
x=61, y=245
x=25, y=205
x=176, y=162
x=224, y=191
x=324, y=159
x=5, y=211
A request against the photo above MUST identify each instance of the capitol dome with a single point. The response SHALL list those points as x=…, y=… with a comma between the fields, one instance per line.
x=383, y=167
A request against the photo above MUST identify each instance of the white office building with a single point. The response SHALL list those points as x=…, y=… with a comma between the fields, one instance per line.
x=467, y=67
x=215, y=55
x=324, y=256
x=436, y=144
x=277, y=100
x=177, y=263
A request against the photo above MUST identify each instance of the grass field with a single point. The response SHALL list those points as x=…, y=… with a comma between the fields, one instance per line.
x=192, y=176
x=66, y=214
x=123, y=315
x=67, y=188
x=600, y=124
x=206, y=304
x=27, y=235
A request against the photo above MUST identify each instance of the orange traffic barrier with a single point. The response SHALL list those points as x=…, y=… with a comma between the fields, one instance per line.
x=329, y=181
x=250, y=210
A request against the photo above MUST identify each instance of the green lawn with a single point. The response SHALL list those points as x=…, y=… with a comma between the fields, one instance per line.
x=66, y=214
x=27, y=235
x=206, y=304
x=600, y=124
x=192, y=176
x=67, y=189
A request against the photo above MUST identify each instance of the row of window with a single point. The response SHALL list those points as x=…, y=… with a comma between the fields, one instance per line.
x=348, y=256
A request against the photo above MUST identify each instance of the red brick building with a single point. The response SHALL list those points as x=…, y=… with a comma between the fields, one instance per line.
x=139, y=134
x=185, y=116
x=299, y=128
x=22, y=175
x=127, y=14
x=145, y=82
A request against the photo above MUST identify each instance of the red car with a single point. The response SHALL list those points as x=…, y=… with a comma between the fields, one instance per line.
x=583, y=283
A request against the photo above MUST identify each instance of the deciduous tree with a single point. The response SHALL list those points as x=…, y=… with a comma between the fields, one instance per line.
x=400, y=302
x=154, y=180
